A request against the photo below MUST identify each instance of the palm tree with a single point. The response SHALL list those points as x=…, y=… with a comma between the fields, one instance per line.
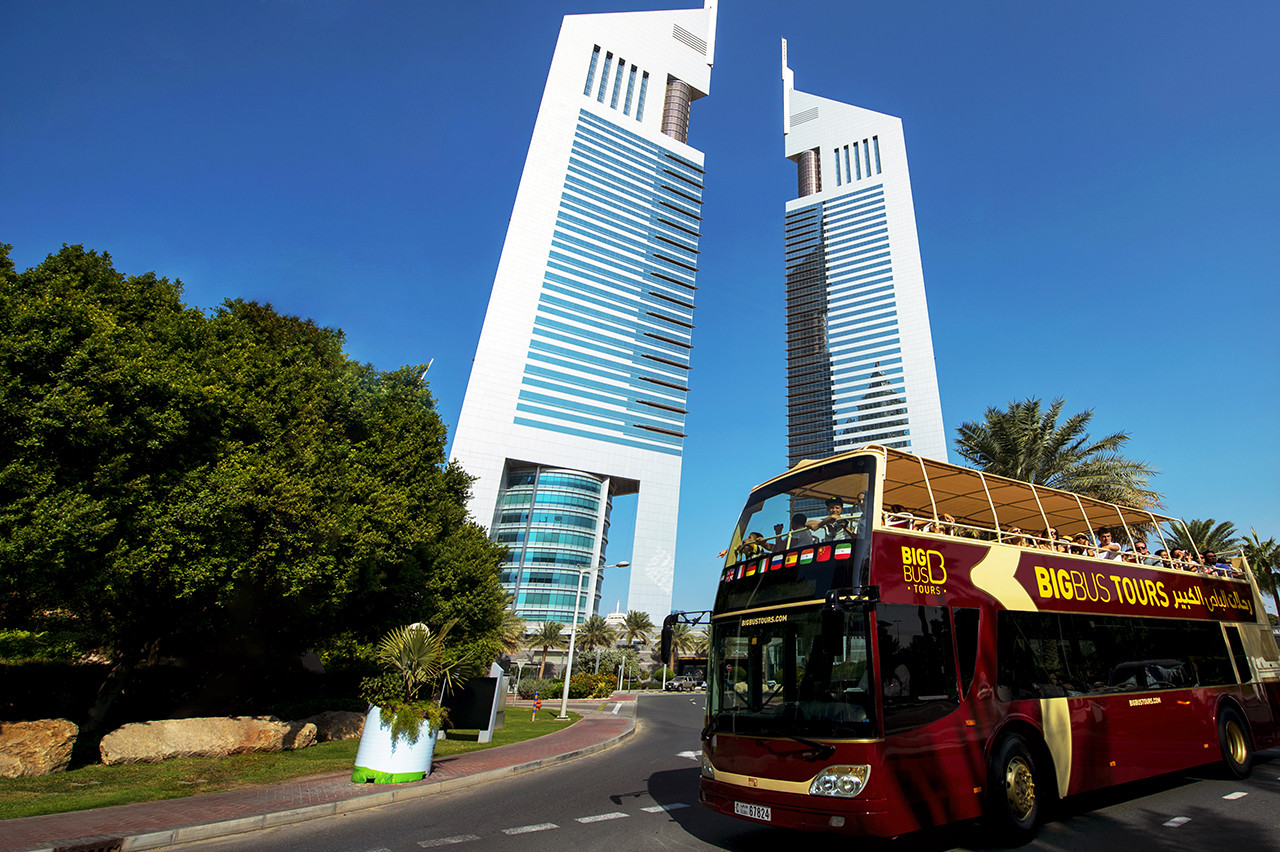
x=701, y=644
x=1264, y=559
x=1027, y=443
x=1202, y=536
x=546, y=637
x=682, y=640
x=638, y=625
x=511, y=630
x=596, y=632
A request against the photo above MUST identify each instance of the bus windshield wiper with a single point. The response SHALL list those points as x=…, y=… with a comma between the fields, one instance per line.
x=824, y=751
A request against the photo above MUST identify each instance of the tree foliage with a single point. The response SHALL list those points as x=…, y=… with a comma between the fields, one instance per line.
x=1264, y=559
x=1200, y=537
x=637, y=627
x=546, y=637
x=596, y=632
x=227, y=486
x=1026, y=442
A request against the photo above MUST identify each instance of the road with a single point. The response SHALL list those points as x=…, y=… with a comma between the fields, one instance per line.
x=643, y=794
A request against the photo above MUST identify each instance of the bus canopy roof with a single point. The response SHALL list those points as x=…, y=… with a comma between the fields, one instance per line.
x=930, y=489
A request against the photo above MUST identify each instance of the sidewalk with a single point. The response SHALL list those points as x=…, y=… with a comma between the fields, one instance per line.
x=154, y=825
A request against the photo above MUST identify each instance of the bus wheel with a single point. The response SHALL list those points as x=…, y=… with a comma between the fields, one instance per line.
x=1233, y=739
x=1013, y=808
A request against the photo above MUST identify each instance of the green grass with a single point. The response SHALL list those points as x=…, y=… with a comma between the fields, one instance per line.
x=103, y=786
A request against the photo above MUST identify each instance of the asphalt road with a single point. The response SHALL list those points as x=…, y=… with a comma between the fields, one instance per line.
x=643, y=794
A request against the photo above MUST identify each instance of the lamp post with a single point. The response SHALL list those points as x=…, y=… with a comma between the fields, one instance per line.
x=573, y=635
x=520, y=664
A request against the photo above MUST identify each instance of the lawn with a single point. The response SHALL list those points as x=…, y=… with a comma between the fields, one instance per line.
x=103, y=786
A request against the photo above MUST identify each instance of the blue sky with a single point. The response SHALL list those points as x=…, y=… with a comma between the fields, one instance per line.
x=1097, y=193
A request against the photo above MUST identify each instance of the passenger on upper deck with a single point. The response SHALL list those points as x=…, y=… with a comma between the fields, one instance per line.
x=1107, y=549
x=1081, y=546
x=836, y=526
x=1141, y=554
x=799, y=536
x=755, y=544
x=897, y=517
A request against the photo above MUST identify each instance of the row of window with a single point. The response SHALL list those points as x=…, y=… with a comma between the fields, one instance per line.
x=616, y=90
x=543, y=558
x=857, y=162
x=548, y=479
x=549, y=519
x=515, y=499
x=1046, y=655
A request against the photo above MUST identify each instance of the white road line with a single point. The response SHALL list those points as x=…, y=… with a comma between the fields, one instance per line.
x=657, y=809
x=1177, y=821
x=692, y=755
x=616, y=708
x=529, y=829
x=603, y=817
x=447, y=841
x=1235, y=795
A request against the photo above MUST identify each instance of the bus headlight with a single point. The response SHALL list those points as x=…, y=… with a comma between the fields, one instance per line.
x=708, y=771
x=843, y=781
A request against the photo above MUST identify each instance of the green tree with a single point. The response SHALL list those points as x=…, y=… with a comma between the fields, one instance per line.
x=1264, y=559
x=546, y=637
x=512, y=630
x=1026, y=442
x=682, y=641
x=596, y=632
x=1199, y=537
x=637, y=627
x=226, y=488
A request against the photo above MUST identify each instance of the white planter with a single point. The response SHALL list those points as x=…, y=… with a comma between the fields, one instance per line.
x=384, y=761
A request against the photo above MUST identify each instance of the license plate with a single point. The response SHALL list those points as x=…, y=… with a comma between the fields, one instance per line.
x=760, y=812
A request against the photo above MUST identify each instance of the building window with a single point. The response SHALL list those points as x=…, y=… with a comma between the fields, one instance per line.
x=617, y=85
x=604, y=76
x=591, y=69
x=644, y=85
x=857, y=162
x=631, y=85
x=866, y=153
x=839, y=182
x=875, y=140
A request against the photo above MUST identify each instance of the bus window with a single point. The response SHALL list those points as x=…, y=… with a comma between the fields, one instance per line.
x=1237, y=652
x=966, y=631
x=917, y=665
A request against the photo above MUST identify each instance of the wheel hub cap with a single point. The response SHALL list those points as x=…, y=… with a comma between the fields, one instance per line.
x=1020, y=788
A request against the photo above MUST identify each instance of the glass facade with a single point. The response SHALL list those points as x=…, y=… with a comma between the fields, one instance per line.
x=548, y=518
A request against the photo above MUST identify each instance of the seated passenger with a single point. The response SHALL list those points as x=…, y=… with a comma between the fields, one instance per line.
x=1081, y=546
x=948, y=526
x=1045, y=541
x=1014, y=536
x=897, y=517
x=836, y=526
x=755, y=544
x=1107, y=549
x=1141, y=554
x=799, y=536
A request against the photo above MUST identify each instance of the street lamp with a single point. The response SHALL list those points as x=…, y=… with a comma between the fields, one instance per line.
x=520, y=664
x=573, y=635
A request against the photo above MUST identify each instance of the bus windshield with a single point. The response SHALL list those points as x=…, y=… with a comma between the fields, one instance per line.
x=800, y=536
x=795, y=673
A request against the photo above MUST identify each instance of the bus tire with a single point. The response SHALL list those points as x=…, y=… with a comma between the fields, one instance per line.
x=1013, y=806
x=1233, y=739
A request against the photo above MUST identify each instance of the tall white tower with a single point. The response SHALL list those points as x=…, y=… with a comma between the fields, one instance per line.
x=859, y=352
x=578, y=388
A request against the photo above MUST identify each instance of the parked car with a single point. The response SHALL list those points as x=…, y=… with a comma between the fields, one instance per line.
x=681, y=683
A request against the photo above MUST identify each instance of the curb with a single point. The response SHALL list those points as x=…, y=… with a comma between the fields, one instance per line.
x=243, y=825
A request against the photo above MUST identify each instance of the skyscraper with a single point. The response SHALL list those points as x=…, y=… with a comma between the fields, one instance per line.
x=859, y=352
x=578, y=388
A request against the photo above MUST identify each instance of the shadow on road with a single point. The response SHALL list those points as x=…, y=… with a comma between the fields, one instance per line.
x=1078, y=822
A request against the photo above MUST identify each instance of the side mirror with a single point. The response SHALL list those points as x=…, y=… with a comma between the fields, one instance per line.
x=667, y=624
x=832, y=631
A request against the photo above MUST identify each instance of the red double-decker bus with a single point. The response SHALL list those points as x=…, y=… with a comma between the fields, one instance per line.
x=900, y=643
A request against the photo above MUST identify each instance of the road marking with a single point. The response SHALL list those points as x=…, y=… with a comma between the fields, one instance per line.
x=657, y=809
x=447, y=841
x=529, y=829
x=692, y=755
x=616, y=708
x=1177, y=821
x=1235, y=795
x=603, y=817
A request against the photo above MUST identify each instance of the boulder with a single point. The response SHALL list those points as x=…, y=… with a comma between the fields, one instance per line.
x=35, y=748
x=336, y=725
x=149, y=742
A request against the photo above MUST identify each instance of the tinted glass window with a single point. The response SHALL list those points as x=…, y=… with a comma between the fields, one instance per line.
x=917, y=665
x=966, y=622
x=1050, y=655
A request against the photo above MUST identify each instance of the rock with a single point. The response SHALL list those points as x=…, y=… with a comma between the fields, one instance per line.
x=149, y=742
x=35, y=748
x=299, y=735
x=336, y=725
